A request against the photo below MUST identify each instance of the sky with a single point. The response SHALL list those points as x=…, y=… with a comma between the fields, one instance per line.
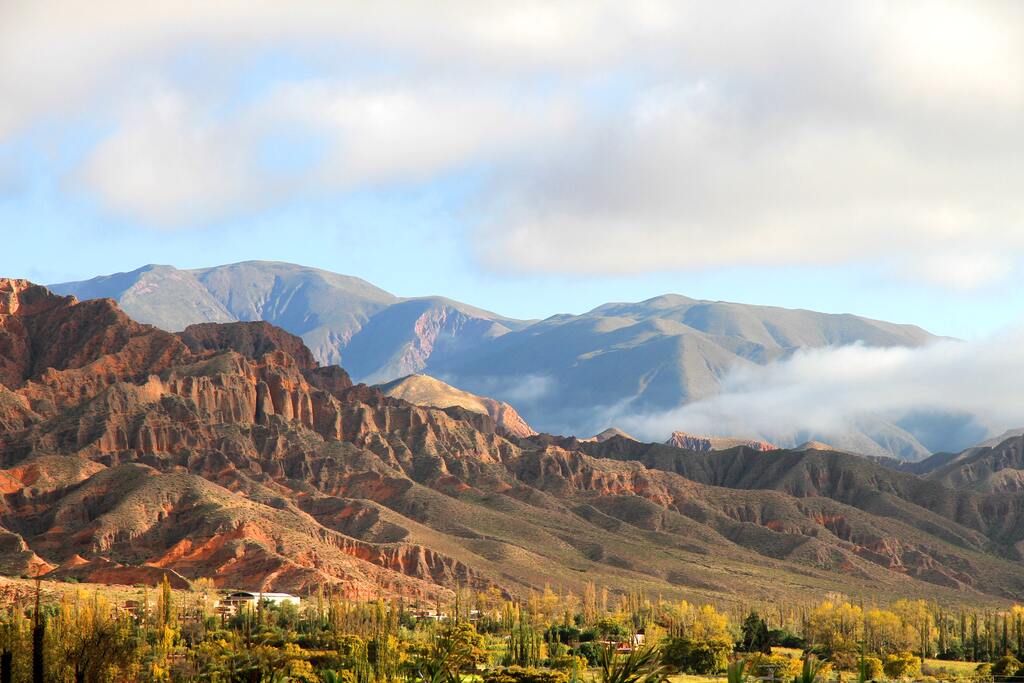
x=532, y=157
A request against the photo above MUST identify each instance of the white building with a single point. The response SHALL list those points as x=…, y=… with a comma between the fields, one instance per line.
x=232, y=602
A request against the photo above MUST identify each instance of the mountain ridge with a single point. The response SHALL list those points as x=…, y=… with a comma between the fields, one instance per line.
x=226, y=457
x=565, y=374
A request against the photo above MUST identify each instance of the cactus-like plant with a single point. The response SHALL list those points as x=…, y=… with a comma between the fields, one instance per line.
x=737, y=671
x=641, y=665
x=811, y=671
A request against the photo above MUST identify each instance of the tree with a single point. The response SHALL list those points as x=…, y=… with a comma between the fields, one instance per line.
x=754, y=636
x=38, y=637
x=91, y=641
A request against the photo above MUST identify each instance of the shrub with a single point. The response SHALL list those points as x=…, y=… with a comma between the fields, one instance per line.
x=902, y=665
x=588, y=651
x=785, y=667
x=567, y=663
x=786, y=639
x=675, y=652
x=709, y=658
x=700, y=658
x=518, y=674
x=873, y=669
x=1006, y=666
x=983, y=671
x=845, y=660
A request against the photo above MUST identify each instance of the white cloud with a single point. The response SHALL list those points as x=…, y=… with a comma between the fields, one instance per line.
x=404, y=132
x=174, y=159
x=834, y=390
x=165, y=166
x=617, y=137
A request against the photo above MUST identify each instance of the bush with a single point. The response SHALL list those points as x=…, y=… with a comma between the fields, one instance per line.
x=518, y=674
x=675, y=652
x=1006, y=666
x=785, y=667
x=700, y=658
x=566, y=663
x=845, y=660
x=709, y=658
x=873, y=669
x=782, y=638
x=983, y=671
x=902, y=665
x=588, y=651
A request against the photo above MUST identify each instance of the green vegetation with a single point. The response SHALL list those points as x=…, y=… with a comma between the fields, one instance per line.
x=93, y=635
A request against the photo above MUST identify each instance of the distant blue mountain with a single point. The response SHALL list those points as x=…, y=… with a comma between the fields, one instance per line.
x=562, y=373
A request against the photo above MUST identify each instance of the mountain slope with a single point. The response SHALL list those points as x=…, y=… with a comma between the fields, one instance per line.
x=164, y=296
x=328, y=310
x=993, y=466
x=568, y=373
x=423, y=390
x=218, y=453
x=622, y=359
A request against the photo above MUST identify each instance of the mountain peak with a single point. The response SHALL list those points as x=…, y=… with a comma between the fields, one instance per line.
x=425, y=390
x=560, y=373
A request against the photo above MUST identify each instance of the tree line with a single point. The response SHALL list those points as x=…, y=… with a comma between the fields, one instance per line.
x=547, y=637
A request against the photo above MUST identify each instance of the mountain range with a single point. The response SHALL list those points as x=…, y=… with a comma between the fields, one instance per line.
x=128, y=453
x=566, y=374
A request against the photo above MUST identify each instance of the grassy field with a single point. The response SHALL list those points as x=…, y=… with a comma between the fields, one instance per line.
x=933, y=667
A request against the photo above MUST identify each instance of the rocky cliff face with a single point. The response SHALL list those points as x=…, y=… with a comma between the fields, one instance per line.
x=130, y=453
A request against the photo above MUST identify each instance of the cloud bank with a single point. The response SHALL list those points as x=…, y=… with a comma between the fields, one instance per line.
x=837, y=390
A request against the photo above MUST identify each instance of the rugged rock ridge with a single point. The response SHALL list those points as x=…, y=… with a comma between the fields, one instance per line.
x=992, y=467
x=694, y=442
x=429, y=391
x=223, y=452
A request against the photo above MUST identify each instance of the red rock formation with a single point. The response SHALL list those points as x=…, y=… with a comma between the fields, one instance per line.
x=129, y=452
x=251, y=339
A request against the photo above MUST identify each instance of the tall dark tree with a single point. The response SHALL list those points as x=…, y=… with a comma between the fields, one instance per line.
x=754, y=636
x=38, y=636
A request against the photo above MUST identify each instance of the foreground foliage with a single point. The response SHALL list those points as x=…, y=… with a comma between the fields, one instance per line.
x=549, y=638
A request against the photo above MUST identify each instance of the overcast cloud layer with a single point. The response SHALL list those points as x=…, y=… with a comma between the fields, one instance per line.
x=590, y=137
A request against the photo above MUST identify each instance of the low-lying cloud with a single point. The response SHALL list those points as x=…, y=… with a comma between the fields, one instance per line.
x=836, y=390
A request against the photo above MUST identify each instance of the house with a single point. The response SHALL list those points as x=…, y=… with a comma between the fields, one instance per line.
x=627, y=645
x=428, y=614
x=233, y=602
